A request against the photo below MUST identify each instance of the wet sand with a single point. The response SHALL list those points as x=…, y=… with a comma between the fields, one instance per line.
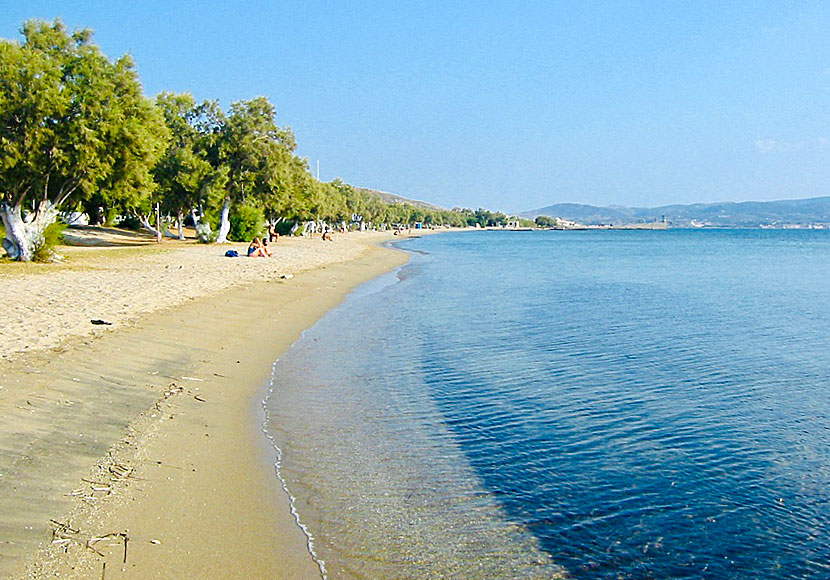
x=144, y=442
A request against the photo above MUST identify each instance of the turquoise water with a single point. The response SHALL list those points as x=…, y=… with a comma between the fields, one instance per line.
x=597, y=404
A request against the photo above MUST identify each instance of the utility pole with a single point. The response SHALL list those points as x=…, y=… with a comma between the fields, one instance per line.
x=158, y=223
x=318, y=170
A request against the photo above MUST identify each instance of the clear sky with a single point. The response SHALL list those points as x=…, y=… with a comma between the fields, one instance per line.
x=506, y=105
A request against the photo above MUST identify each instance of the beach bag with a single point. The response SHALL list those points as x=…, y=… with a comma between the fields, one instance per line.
x=232, y=254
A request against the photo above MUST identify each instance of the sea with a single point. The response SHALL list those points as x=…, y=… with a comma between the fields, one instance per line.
x=568, y=404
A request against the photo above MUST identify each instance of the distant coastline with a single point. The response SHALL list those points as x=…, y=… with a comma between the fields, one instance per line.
x=812, y=213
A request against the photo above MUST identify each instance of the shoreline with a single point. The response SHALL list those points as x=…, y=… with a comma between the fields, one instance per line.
x=143, y=442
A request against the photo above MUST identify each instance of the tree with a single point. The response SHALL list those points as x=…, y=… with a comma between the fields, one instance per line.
x=74, y=124
x=285, y=184
x=249, y=139
x=184, y=175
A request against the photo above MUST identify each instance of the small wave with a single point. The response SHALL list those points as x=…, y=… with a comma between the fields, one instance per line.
x=278, y=471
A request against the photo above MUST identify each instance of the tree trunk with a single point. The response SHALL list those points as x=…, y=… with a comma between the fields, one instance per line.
x=168, y=233
x=24, y=236
x=181, y=226
x=202, y=228
x=224, y=222
x=145, y=223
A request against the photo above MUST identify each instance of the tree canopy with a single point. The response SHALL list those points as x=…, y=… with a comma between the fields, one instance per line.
x=74, y=123
x=79, y=133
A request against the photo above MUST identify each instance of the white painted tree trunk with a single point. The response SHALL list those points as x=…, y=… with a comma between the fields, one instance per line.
x=145, y=223
x=181, y=226
x=203, y=231
x=173, y=236
x=25, y=235
x=224, y=223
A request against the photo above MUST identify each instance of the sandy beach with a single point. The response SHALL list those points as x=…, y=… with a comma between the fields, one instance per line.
x=133, y=449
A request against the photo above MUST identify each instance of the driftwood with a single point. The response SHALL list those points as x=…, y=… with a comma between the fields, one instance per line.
x=64, y=534
x=122, y=535
x=63, y=526
x=120, y=471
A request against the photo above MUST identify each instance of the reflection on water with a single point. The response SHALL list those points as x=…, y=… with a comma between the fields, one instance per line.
x=617, y=404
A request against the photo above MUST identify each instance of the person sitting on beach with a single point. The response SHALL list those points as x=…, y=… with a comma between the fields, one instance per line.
x=264, y=247
x=255, y=249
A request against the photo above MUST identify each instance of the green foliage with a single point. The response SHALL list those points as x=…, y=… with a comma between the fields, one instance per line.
x=210, y=217
x=245, y=157
x=77, y=129
x=284, y=227
x=247, y=222
x=544, y=221
x=74, y=124
x=207, y=237
x=88, y=115
x=184, y=175
x=52, y=236
x=129, y=222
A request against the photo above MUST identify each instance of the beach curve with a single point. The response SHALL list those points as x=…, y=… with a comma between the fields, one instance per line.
x=139, y=442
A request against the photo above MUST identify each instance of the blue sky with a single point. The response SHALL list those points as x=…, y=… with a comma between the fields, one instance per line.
x=506, y=105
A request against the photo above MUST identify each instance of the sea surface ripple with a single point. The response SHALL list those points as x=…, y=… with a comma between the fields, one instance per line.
x=589, y=404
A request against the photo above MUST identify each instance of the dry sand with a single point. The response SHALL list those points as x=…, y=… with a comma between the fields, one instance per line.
x=128, y=278
x=146, y=433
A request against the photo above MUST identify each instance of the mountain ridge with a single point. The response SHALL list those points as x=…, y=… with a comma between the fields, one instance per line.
x=814, y=210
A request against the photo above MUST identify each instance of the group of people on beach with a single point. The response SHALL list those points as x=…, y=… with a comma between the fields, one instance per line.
x=258, y=248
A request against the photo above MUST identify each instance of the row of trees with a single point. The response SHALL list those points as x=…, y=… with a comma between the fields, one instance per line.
x=73, y=123
x=79, y=135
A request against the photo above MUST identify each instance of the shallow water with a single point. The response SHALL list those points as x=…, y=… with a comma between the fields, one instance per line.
x=612, y=404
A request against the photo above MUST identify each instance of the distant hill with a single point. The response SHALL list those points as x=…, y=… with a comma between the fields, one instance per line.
x=815, y=210
x=392, y=198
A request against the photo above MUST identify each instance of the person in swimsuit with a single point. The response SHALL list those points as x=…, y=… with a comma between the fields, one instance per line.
x=255, y=249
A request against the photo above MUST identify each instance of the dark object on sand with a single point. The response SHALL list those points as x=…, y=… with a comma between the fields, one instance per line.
x=99, y=322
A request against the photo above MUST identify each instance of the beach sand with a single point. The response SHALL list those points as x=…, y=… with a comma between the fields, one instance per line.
x=141, y=441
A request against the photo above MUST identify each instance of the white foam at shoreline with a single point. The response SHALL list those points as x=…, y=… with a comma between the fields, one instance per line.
x=278, y=471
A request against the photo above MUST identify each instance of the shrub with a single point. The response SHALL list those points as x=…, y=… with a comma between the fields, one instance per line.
x=285, y=228
x=205, y=233
x=51, y=238
x=208, y=227
x=246, y=223
x=129, y=222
